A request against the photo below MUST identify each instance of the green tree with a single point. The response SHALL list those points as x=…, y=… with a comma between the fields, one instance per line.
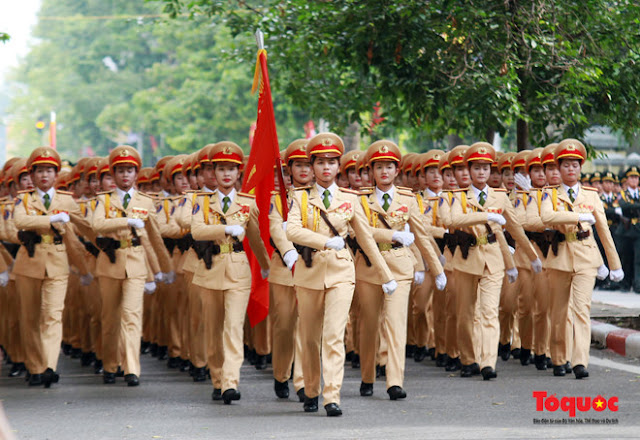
x=452, y=67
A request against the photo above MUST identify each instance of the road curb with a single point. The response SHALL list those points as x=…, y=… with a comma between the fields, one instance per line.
x=623, y=341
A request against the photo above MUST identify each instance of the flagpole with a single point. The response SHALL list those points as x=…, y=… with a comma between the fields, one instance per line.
x=283, y=191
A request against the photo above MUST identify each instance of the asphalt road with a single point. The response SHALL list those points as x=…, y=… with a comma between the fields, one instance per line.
x=168, y=405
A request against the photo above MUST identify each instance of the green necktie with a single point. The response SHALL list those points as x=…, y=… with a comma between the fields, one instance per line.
x=325, y=198
x=127, y=198
x=225, y=204
x=47, y=201
x=386, y=203
x=571, y=195
x=482, y=197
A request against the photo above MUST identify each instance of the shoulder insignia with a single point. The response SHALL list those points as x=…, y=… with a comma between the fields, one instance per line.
x=196, y=208
x=545, y=195
x=275, y=193
x=517, y=203
x=529, y=199
x=458, y=190
x=104, y=192
x=182, y=202
x=18, y=200
x=404, y=188
x=251, y=196
x=298, y=188
x=350, y=191
x=551, y=187
x=366, y=191
x=149, y=196
x=25, y=191
x=504, y=190
x=406, y=192
x=441, y=201
x=589, y=188
x=433, y=199
x=68, y=193
x=522, y=192
x=158, y=209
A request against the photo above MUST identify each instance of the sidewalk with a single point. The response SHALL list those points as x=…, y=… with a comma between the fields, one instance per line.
x=623, y=341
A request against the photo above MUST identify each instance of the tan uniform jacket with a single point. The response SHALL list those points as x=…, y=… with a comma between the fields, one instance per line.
x=110, y=220
x=331, y=267
x=50, y=260
x=279, y=273
x=467, y=214
x=402, y=211
x=574, y=255
x=229, y=270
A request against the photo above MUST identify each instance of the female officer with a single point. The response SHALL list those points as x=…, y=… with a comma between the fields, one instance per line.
x=319, y=220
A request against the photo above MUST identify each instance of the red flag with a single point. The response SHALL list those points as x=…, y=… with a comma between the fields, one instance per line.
x=259, y=180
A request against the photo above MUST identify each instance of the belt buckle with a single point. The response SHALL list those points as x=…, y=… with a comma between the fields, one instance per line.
x=47, y=239
x=124, y=243
x=226, y=248
x=385, y=246
x=482, y=240
x=571, y=236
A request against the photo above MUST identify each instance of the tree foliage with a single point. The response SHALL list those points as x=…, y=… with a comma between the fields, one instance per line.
x=452, y=67
x=115, y=70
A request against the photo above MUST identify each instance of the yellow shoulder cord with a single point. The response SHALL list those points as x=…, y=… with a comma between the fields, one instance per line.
x=624, y=197
x=554, y=198
x=435, y=213
x=93, y=205
x=25, y=200
x=278, y=202
x=316, y=218
x=420, y=203
x=205, y=209
x=304, y=215
x=107, y=205
x=464, y=201
x=165, y=204
x=539, y=198
x=83, y=208
x=367, y=210
x=525, y=198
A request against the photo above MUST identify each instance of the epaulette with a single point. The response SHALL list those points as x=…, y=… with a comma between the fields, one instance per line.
x=146, y=195
x=406, y=192
x=69, y=193
x=275, y=193
x=251, y=196
x=365, y=191
x=590, y=188
x=550, y=187
x=367, y=188
x=457, y=190
x=206, y=193
x=350, y=191
x=104, y=192
x=25, y=191
x=504, y=190
x=298, y=188
x=190, y=191
x=433, y=199
x=522, y=192
x=404, y=188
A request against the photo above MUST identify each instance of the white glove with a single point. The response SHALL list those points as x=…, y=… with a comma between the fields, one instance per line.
x=61, y=217
x=4, y=278
x=169, y=277
x=418, y=277
x=442, y=259
x=536, y=265
x=136, y=223
x=441, y=281
x=589, y=218
x=389, y=287
x=404, y=238
x=335, y=243
x=290, y=258
x=264, y=273
x=616, y=275
x=603, y=271
x=524, y=182
x=234, y=230
x=87, y=279
x=618, y=211
x=149, y=288
x=512, y=250
x=496, y=218
x=284, y=226
x=158, y=277
x=512, y=275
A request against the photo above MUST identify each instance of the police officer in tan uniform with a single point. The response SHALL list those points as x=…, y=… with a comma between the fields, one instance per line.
x=42, y=264
x=220, y=221
x=129, y=237
x=388, y=210
x=319, y=220
x=572, y=210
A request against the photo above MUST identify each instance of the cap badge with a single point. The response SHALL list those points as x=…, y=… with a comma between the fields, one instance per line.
x=384, y=149
x=326, y=142
x=227, y=150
